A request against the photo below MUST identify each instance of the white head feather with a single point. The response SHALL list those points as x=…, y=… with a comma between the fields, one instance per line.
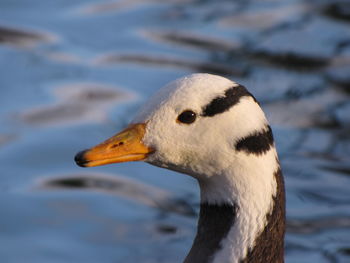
x=205, y=149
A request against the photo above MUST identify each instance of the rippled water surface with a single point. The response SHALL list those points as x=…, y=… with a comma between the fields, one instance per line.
x=74, y=72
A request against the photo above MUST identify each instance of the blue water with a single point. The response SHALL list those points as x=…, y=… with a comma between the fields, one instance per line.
x=74, y=72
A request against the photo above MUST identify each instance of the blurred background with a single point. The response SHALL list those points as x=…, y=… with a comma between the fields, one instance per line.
x=72, y=73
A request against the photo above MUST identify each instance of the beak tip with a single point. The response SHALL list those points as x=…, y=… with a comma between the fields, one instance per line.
x=80, y=159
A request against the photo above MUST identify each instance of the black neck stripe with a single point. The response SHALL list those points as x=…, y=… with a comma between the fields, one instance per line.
x=224, y=103
x=256, y=143
x=215, y=221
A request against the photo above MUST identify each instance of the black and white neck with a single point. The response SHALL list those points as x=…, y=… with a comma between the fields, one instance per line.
x=242, y=213
x=214, y=130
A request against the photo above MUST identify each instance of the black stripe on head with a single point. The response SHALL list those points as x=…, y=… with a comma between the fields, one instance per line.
x=256, y=143
x=224, y=103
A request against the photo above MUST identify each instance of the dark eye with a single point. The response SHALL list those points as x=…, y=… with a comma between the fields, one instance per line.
x=187, y=117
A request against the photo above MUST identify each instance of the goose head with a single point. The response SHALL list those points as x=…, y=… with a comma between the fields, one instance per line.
x=192, y=125
x=212, y=129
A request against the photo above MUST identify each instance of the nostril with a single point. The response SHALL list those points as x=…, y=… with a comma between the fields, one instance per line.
x=117, y=144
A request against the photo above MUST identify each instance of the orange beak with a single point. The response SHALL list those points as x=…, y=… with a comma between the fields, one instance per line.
x=125, y=146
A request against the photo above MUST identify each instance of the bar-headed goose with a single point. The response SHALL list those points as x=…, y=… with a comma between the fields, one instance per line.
x=213, y=129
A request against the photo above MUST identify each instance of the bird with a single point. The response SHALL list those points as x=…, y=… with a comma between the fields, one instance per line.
x=213, y=129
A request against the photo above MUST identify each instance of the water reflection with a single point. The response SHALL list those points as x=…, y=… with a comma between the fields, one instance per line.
x=121, y=186
x=22, y=38
x=77, y=103
x=161, y=60
x=6, y=138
